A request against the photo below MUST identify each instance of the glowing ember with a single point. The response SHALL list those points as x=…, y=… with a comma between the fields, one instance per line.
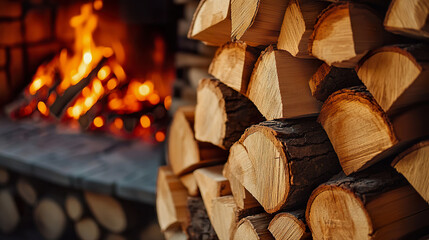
x=145, y=121
x=160, y=136
x=98, y=122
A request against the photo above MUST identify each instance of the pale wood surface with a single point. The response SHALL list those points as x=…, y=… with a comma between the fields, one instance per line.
x=50, y=218
x=403, y=78
x=357, y=127
x=171, y=200
x=253, y=228
x=211, y=22
x=9, y=217
x=408, y=17
x=87, y=229
x=271, y=155
x=344, y=33
x=212, y=184
x=257, y=22
x=188, y=180
x=375, y=204
x=222, y=114
x=26, y=191
x=279, y=85
x=74, y=206
x=329, y=79
x=290, y=226
x=233, y=64
x=298, y=25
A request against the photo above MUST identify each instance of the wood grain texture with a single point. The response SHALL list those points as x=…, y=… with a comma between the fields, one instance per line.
x=344, y=33
x=253, y=228
x=290, y=226
x=374, y=204
x=279, y=85
x=408, y=17
x=357, y=127
x=274, y=154
x=222, y=114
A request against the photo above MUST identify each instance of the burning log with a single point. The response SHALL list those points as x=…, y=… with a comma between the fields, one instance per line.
x=50, y=218
x=9, y=217
x=290, y=225
x=87, y=229
x=271, y=155
x=279, y=85
x=408, y=18
x=354, y=29
x=223, y=123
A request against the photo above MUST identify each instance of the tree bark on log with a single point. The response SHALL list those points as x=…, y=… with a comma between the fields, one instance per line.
x=233, y=64
x=274, y=155
x=298, y=25
x=344, y=33
x=222, y=114
x=290, y=226
x=329, y=79
x=253, y=227
x=375, y=204
x=403, y=78
x=211, y=22
x=257, y=22
x=408, y=18
x=279, y=85
x=199, y=226
x=185, y=153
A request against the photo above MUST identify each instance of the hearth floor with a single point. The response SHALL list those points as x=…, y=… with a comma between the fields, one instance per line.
x=102, y=164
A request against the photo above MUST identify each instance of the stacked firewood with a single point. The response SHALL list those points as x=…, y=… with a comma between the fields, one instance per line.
x=62, y=213
x=311, y=104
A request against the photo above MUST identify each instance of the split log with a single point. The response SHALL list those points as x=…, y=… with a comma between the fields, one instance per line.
x=279, y=85
x=74, y=206
x=109, y=212
x=212, y=184
x=211, y=22
x=4, y=176
x=298, y=25
x=190, y=184
x=366, y=205
x=26, y=191
x=171, y=199
x=344, y=33
x=226, y=215
x=233, y=64
x=413, y=165
x=185, y=153
x=403, y=78
x=242, y=197
x=292, y=156
x=253, y=227
x=408, y=18
x=222, y=114
x=358, y=128
x=9, y=217
x=329, y=79
x=257, y=22
x=199, y=225
x=290, y=226
x=50, y=218
x=87, y=229
x=175, y=235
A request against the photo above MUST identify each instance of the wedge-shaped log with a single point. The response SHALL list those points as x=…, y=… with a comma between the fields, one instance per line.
x=279, y=85
x=408, y=17
x=298, y=25
x=185, y=153
x=188, y=180
x=222, y=114
x=357, y=127
x=274, y=154
x=397, y=76
x=212, y=184
x=329, y=79
x=211, y=22
x=242, y=197
x=374, y=205
x=253, y=227
x=257, y=22
x=171, y=199
x=413, y=164
x=226, y=215
x=233, y=64
x=344, y=33
x=290, y=226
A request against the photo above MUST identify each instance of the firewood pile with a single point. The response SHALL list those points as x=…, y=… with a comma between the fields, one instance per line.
x=313, y=125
